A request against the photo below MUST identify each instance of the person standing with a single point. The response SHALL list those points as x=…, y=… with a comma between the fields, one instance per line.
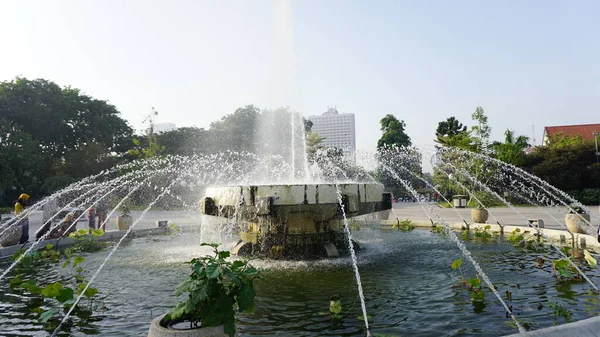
x=91, y=218
x=20, y=205
x=101, y=213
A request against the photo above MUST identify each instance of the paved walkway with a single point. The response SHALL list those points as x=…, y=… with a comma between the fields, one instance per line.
x=149, y=220
x=553, y=217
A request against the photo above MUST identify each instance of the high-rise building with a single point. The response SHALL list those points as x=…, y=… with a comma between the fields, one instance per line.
x=164, y=127
x=338, y=130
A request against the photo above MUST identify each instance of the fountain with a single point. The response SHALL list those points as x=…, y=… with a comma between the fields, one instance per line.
x=294, y=221
x=402, y=280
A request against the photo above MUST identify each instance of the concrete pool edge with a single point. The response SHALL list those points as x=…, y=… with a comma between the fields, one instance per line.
x=553, y=234
x=589, y=327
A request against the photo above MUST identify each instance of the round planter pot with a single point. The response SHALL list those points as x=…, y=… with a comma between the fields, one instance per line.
x=384, y=215
x=157, y=330
x=124, y=222
x=575, y=223
x=12, y=235
x=479, y=215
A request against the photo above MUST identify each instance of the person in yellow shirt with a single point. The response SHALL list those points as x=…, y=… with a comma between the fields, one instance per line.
x=20, y=205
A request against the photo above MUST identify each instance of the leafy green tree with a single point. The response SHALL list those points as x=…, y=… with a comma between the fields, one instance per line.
x=22, y=163
x=313, y=144
x=393, y=133
x=567, y=163
x=561, y=141
x=185, y=141
x=235, y=132
x=308, y=124
x=449, y=128
x=452, y=133
x=481, y=132
x=44, y=126
x=62, y=119
x=87, y=160
x=397, y=163
x=512, y=150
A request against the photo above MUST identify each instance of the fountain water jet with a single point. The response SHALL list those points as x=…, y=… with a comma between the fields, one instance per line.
x=448, y=230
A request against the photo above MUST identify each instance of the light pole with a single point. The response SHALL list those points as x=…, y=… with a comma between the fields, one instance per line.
x=596, y=141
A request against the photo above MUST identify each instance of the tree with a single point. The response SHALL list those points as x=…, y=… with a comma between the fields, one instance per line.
x=481, y=131
x=449, y=128
x=44, y=127
x=399, y=163
x=308, y=124
x=185, y=141
x=313, y=144
x=148, y=145
x=566, y=163
x=62, y=120
x=511, y=151
x=393, y=133
x=22, y=163
x=235, y=132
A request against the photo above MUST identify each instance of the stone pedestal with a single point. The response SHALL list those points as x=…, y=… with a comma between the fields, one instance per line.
x=294, y=221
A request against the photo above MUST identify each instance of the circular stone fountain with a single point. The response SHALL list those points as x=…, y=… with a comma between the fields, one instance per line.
x=294, y=221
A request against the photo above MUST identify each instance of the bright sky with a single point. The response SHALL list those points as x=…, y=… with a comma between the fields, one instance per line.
x=534, y=62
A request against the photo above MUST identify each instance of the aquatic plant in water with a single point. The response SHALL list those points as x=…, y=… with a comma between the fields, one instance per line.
x=404, y=225
x=561, y=312
x=479, y=233
x=86, y=240
x=54, y=299
x=473, y=283
x=564, y=271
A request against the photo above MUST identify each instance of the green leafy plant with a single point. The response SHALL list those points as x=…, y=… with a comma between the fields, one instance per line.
x=456, y=265
x=438, y=229
x=215, y=288
x=174, y=229
x=564, y=271
x=478, y=233
x=477, y=292
x=354, y=225
x=404, y=225
x=335, y=307
x=562, y=312
x=125, y=208
x=486, y=198
x=59, y=296
x=576, y=209
x=86, y=240
x=516, y=237
x=473, y=283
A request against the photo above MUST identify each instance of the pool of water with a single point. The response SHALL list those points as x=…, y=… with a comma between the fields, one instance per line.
x=409, y=286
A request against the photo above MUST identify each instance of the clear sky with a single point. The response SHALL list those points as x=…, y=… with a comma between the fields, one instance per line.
x=526, y=62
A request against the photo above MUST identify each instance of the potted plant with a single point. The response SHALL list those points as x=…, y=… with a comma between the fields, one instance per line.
x=577, y=219
x=124, y=220
x=479, y=214
x=215, y=289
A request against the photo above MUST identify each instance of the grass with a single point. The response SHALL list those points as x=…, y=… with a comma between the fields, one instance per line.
x=4, y=210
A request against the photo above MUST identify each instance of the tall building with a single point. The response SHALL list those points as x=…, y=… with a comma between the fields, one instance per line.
x=164, y=127
x=338, y=130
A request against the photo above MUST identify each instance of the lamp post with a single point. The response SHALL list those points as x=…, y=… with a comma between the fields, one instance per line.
x=596, y=141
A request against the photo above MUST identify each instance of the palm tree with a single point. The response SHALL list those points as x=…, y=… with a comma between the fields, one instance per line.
x=512, y=150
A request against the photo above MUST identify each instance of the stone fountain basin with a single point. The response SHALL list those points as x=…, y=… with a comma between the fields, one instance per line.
x=406, y=276
x=259, y=200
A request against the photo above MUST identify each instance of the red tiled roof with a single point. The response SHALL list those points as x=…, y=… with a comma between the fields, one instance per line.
x=585, y=130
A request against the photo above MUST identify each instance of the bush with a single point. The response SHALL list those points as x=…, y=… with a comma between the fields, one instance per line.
x=587, y=196
x=488, y=199
x=56, y=183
